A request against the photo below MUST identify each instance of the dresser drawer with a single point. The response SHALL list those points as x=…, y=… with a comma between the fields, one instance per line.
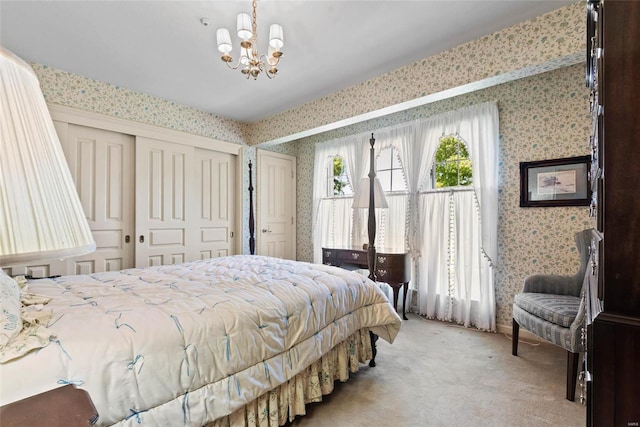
x=383, y=260
x=394, y=268
x=329, y=256
x=353, y=256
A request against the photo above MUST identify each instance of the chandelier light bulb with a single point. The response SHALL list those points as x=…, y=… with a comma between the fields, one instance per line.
x=245, y=56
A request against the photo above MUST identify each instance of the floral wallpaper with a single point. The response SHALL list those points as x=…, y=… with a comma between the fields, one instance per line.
x=543, y=106
x=63, y=88
x=541, y=117
x=553, y=40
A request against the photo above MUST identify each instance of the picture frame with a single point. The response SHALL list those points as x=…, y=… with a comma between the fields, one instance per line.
x=556, y=182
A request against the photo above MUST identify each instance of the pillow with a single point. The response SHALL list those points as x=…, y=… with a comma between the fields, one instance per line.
x=10, y=320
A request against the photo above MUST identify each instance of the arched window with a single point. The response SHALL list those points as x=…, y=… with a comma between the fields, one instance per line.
x=452, y=166
x=337, y=179
x=389, y=170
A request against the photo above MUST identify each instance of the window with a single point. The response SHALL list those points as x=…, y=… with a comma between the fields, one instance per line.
x=337, y=180
x=389, y=171
x=452, y=165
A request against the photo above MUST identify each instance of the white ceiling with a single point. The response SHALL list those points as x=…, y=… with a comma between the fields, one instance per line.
x=161, y=48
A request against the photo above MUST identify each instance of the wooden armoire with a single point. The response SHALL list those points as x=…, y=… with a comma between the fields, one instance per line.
x=613, y=316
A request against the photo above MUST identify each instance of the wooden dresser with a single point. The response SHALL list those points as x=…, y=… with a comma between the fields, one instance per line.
x=392, y=267
x=613, y=314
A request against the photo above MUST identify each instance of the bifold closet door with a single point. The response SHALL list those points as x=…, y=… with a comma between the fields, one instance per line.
x=102, y=165
x=165, y=200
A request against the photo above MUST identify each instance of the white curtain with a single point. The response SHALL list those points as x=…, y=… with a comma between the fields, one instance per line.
x=456, y=268
x=333, y=217
x=433, y=274
x=452, y=236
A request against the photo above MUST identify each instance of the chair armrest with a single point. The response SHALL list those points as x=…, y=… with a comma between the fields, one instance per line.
x=551, y=284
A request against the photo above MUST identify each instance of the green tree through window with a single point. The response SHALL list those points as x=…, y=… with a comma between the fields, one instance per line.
x=452, y=164
x=338, y=181
x=338, y=169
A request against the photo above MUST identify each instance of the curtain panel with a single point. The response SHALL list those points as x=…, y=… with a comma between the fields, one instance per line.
x=428, y=219
x=329, y=211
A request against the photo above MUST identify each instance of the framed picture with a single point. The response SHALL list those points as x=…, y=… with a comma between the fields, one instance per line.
x=557, y=182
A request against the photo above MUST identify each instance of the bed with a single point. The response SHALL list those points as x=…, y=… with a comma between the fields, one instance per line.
x=238, y=340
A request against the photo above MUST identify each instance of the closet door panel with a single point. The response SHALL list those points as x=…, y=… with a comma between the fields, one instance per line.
x=101, y=163
x=164, y=198
x=215, y=199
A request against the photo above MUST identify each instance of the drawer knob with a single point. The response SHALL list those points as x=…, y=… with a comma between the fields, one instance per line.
x=355, y=255
x=382, y=273
x=382, y=259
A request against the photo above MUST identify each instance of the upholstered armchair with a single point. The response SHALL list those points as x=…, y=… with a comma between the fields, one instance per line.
x=551, y=307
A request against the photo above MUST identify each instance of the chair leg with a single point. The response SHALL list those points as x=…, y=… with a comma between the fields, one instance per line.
x=514, y=337
x=572, y=374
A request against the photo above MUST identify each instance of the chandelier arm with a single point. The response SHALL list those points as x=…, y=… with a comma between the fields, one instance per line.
x=264, y=60
x=234, y=67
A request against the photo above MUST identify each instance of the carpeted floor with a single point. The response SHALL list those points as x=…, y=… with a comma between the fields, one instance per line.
x=439, y=374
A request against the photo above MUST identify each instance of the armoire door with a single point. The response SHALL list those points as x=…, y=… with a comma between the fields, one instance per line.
x=165, y=214
x=102, y=164
x=215, y=200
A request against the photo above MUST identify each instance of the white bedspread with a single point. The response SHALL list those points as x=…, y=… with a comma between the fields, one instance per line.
x=190, y=343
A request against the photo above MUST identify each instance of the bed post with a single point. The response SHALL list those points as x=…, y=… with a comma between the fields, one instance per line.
x=252, y=239
x=371, y=249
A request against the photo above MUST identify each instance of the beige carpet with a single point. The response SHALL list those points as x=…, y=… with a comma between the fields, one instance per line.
x=439, y=374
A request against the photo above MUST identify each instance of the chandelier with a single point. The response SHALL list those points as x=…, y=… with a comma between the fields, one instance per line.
x=252, y=63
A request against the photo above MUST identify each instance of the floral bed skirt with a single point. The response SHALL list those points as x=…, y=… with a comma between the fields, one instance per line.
x=288, y=400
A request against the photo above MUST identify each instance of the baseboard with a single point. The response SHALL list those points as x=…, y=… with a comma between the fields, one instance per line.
x=523, y=334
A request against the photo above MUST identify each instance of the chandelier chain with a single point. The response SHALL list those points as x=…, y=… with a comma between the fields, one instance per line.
x=254, y=24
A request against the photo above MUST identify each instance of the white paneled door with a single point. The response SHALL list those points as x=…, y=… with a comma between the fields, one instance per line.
x=276, y=205
x=102, y=165
x=216, y=222
x=165, y=191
